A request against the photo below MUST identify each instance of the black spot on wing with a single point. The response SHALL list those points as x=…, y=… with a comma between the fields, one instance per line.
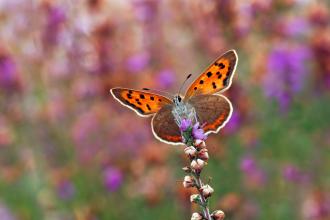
x=148, y=106
x=221, y=65
x=214, y=85
x=134, y=106
x=152, y=98
x=142, y=96
x=209, y=74
x=201, y=82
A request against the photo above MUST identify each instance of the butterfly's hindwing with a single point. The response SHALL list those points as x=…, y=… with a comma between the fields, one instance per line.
x=217, y=77
x=143, y=103
x=164, y=127
x=213, y=110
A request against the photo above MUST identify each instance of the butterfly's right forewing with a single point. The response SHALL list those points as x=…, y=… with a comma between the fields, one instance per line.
x=216, y=78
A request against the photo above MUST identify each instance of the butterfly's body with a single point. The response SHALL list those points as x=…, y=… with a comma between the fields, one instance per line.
x=182, y=109
x=200, y=103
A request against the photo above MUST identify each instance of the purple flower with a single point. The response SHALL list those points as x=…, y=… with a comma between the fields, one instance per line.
x=65, y=190
x=166, y=78
x=296, y=27
x=8, y=71
x=5, y=213
x=55, y=18
x=198, y=133
x=286, y=72
x=145, y=11
x=138, y=62
x=113, y=178
x=255, y=176
x=248, y=165
x=185, y=124
x=293, y=174
x=234, y=123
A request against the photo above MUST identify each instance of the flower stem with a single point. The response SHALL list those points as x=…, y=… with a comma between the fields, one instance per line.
x=205, y=207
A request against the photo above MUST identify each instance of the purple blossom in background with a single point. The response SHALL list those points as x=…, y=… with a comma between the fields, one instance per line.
x=113, y=178
x=252, y=171
x=185, y=124
x=293, y=174
x=5, y=213
x=65, y=190
x=8, y=72
x=248, y=165
x=166, y=78
x=286, y=73
x=55, y=17
x=233, y=124
x=198, y=133
x=138, y=62
x=145, y=10
x=296, y=27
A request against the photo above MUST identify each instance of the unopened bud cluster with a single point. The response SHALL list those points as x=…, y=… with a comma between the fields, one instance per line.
x=198, y=155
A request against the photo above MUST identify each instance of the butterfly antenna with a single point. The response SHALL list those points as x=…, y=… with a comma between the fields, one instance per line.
x=184, y=83
x=159, y=91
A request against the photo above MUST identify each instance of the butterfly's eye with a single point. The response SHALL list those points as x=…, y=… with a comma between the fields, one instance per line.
x=179, y=98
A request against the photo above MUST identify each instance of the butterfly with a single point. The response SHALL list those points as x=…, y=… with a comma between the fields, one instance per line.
x=211, y=109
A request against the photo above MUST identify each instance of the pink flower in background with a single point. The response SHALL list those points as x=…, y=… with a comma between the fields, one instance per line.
x=233, y=124
x=248, y=165
x=145, y=10
x=112, y=178
x=9, y=78
x=55, y=17
x=166, y=78
x=292, y=173
x=5, y=213
x=138, y=62
x=253, y=173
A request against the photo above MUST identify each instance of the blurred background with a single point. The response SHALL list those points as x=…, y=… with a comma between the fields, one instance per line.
x=68, y=150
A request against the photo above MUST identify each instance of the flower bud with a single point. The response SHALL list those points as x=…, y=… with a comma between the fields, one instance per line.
x=190, y=151
x=196, y=216
x=197, y=164
x=186, y=169
x=203, y=154
x=188, y=182
x=195, y=198
x=207, y=190
x=199, y=143
x=218, y=215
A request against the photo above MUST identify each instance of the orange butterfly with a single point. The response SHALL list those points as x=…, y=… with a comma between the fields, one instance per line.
x=200, y=101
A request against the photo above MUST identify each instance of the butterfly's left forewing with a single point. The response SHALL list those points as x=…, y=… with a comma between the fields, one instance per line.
x=143, y=103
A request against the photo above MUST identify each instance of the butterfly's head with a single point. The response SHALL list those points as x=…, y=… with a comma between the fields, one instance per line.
x=177, y=99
